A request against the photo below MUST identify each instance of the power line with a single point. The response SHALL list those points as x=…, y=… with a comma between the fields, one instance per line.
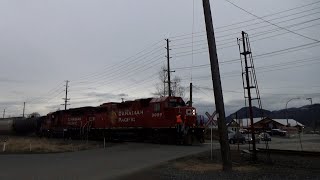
x=289, y=62
x=129, y=59
x=123, y=65
x=250, y=20
x=277, y=52
x=116, y=74
x=264, y=32
x=272, y=23
x=138, y=69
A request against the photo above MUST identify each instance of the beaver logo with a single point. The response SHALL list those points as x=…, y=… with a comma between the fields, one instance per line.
x=113, y=117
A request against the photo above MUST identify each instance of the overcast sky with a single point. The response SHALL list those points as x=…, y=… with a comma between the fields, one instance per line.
x=110, y=50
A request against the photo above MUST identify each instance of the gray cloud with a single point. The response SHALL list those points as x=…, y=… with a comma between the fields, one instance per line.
x=110, y=46
x=9, y=80
x=123, y=94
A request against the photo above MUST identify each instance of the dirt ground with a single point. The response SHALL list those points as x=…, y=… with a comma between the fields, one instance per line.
x=201, y=167
x=19, y=144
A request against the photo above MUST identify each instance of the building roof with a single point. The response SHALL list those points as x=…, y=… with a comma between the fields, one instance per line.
x=292, y=122
x=246, y=121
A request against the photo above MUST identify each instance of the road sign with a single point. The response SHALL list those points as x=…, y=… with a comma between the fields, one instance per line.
x=213, y=123
x=211, y=119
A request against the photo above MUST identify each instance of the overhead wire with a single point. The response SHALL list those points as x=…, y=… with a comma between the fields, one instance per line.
x=192, y=49
x=250, y=20
x=293, y=32
x=254, y=34
x=128, y=59
x=123, y=65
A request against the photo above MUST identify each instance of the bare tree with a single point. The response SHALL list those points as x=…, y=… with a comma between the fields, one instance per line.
x=177, y=88
x=162, y=87
x=34, y=115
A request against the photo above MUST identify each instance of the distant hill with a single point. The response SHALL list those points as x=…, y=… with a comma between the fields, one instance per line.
x=244, y=113
x=308, y=115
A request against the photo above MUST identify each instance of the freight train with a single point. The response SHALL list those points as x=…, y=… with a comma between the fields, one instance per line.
x=148, y=120
x=20, y=125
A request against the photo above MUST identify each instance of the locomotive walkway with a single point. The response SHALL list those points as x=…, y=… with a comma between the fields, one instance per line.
x=96, y=164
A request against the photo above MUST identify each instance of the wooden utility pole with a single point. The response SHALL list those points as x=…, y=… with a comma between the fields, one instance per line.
x=168, y=64
x=4, y=112
x=217, y=89
x=190, y=102
x=66, y=97
x=24, y=108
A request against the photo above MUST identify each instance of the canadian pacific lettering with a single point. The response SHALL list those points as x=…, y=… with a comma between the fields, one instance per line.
x=130, y=113
x=127, y=119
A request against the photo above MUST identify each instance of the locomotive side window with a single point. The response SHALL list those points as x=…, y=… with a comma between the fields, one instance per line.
x=157, y=107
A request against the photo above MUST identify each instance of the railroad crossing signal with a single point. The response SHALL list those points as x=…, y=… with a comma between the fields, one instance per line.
x=211, y=119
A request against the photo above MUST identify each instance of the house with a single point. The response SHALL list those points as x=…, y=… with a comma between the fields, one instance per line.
x=266, y=123
x=237, y=124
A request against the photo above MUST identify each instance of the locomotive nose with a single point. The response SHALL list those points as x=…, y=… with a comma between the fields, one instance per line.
x=190, y=112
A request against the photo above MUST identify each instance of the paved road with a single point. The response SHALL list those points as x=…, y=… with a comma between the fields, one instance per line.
x=92, y=164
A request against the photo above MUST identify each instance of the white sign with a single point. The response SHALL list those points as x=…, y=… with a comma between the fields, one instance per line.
x=211, y=119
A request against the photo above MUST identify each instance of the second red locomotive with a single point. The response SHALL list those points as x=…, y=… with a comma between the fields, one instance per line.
x=165, y=120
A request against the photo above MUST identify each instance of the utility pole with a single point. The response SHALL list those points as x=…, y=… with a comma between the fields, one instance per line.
x=217, y=89
x=310, y=99
x=24, y=108
x=314, y=121
x=190, y=102
x=164, y=88
x=66, y=97
x=4, y=112
x=249, y=81
x=168, y=64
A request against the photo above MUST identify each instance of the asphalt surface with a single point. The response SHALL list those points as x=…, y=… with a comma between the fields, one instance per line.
x=97, y=164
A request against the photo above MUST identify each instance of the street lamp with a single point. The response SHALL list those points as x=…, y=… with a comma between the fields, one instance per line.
x=287, y=109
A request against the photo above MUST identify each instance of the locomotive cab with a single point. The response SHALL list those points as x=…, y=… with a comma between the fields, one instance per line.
x=188, y=114
x=180, y=116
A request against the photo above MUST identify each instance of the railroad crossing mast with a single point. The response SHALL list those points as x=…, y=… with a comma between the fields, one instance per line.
x=250, y=84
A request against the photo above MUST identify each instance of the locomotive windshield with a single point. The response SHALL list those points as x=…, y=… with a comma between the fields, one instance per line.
x=180, y=103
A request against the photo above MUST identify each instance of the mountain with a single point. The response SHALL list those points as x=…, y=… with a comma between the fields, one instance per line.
x=244, y=113
x=308, y=115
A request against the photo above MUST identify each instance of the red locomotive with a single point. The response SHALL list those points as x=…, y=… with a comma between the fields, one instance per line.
x=151, y=119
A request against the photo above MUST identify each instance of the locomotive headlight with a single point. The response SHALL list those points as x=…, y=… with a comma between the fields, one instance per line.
x=193, y=112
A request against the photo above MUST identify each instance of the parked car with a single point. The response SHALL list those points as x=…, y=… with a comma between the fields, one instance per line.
x=237, y=138
x=264, y=137
x=243, y=131
x=278, y=132
x=249, y=139
x=230, y=133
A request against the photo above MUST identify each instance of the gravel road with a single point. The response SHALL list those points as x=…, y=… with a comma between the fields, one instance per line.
x=200, y=167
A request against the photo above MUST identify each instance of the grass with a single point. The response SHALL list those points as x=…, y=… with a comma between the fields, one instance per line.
x=43, y=145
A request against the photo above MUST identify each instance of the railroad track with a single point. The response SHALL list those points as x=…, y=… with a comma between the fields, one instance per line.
x=289, y=152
